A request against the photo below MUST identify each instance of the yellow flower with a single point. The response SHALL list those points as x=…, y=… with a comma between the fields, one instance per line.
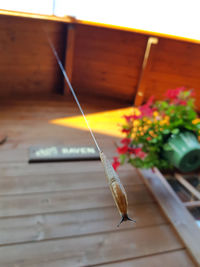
x=136, y=123
x=151, y=133
x=167, y=118
x=155, y=114
x=163, y=122
x=145, y=128
x=133, y=136
x=149, y=122
x=136, y=112
x=197, y=120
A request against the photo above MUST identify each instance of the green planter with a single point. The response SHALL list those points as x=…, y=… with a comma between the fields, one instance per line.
x=184, y=151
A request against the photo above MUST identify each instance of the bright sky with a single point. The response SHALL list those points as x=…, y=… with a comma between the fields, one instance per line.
x=176, y=17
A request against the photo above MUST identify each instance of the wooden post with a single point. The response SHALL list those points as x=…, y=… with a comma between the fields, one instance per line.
x=187, y=185
x=69, y=54
x=192, y=204
x=145, y=68
x=175, y=211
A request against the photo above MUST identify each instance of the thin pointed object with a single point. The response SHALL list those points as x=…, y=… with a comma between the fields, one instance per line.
x=117, y=189
x=71, y=89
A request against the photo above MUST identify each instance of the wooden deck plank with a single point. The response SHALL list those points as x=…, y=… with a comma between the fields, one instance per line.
x=172, y=259
x=175, y=211
x=62, y=182
x=93, y=249
x=26, y=204
x=14, y=169
x=74, y=223
x=63, y=214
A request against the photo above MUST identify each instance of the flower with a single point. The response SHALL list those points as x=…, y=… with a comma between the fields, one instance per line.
x=125, y=141
x=139, y=153
x=122, y=150
x=136, y=114
x=183, y=102
x=149, y=126
x=172, y=94
x=115, y=163
x=195, y=121
x=125, y=130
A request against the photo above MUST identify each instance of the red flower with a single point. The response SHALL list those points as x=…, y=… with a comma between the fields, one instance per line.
x=150, y=101
x=139, y=153
x=125, y=141
x=145, y=109
x=130, y=117
x=183, y=102
x=125, y=130
x=149, y=138
x=115, y=163
x=174, y=93
x=131, y=150
x=122, y=150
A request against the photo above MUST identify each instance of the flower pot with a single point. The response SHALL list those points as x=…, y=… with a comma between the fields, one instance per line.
x=183, y=152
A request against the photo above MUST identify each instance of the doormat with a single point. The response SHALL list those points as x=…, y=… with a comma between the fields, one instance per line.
x=62, y=153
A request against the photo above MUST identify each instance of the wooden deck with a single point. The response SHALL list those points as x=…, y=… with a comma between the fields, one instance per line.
x=63, y=214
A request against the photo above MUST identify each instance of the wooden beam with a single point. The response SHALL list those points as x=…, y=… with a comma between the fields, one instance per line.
x=192, y=204
x=144, y=71
x=187, y=185
x=69, y=54
x=66, y=19
x=140, y=31
x=173, y=208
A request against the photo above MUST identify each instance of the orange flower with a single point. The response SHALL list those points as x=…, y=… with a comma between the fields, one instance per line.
x=195, y=121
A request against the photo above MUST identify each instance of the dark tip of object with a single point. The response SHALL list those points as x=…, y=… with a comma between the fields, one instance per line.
x=125, y=218
x=3, y=139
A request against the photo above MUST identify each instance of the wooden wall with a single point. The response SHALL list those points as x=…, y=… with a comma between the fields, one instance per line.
x=174, y=64
x=27, y=65
x=103, y=61
x=107, y=61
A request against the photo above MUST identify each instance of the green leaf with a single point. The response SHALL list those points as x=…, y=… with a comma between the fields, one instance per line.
x=122, y=159
x=167, y=147
x=175, y=131
x=166, y=131
x=154, y=141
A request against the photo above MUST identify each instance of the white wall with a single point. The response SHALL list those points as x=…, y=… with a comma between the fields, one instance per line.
x=30, y=6
x=176, y=17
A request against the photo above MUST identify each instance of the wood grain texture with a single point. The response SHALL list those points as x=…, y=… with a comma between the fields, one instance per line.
x=146, y=66
x=173, y=259
x=26, y=204
x=74, y=223
x=175, y=64
x=69, y=54
x=63, y=214
x=27, y=65
x=93, y=249
x=175, y=211
x=107, y=62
